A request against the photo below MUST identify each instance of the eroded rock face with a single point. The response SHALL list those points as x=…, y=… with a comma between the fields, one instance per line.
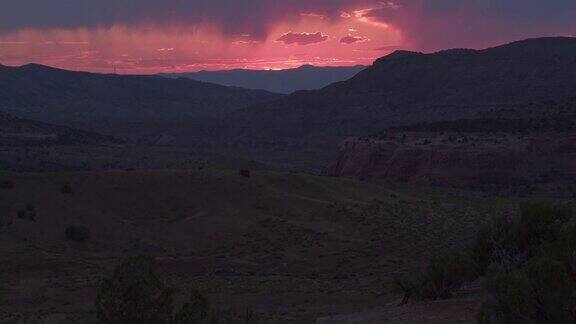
x=459, y=161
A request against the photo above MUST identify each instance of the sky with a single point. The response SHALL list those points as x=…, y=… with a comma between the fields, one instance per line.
x=151, y=36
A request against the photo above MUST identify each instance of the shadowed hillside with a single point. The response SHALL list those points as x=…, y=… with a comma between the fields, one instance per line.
x=22, y=132
x=292, y=247
x=306, y=77
x=53, y=94
x=409, y=87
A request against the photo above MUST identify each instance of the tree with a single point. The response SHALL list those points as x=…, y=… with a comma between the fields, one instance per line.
x=446, y=274
x=553, y=290
x=196, y=310
x=135, y=294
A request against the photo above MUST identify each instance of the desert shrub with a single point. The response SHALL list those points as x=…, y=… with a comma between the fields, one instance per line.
x=446, y=274
x=195, y=310
x=409, y=286
x=28, y=213
x=540, y=222
x=6, y=184
x=553, y=289
x=511, y=299
x=483, y=248
x=66, y=189
x=443, y=276
x=511, y=242
x=541, y=288
x=77, y=233
x=135, y=293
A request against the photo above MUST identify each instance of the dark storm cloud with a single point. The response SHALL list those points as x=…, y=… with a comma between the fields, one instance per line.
x=302, y=38
x=425, y=23
x=352, y=39
x=232, y=16
x=432, y=24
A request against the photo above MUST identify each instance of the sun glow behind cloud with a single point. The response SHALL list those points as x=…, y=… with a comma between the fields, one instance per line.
x=149, y=36
x=149, y=48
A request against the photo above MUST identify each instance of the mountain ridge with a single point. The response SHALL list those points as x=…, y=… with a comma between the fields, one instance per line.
x=305, y=77
x=53, y=94
x=401, y=89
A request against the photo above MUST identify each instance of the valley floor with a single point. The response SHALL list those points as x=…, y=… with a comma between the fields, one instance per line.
x=292, y=247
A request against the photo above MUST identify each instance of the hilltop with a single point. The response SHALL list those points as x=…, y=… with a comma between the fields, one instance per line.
x=51, y=94
x=306, y=77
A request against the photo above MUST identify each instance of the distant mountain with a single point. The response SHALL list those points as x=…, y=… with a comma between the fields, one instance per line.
x=23, y=132
x=306, y=77
x=54, y=94
x=408, y=87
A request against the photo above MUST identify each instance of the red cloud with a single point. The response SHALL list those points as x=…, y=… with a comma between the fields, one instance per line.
x=302, y=38
x=353, y=39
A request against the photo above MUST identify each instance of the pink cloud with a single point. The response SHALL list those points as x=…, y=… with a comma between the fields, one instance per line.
x=302, y=38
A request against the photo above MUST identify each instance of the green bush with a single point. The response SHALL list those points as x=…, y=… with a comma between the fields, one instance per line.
x=195, y=310
x=66, y=189
x=511, y=299
x=517, y=240
x=447, y=274
x=541, y=288
x=483, y=249
x=135, y=294
x=409, y=286
x=540, y=222
x=553, y=289
x=6, y=184
x=28, y=213
x=443, y=276
x=77, y=233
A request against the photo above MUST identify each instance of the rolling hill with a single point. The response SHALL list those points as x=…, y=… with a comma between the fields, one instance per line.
x=23, y=132
x=408, y=87
x=293, y=247
x=306, y=77
x=52, y=94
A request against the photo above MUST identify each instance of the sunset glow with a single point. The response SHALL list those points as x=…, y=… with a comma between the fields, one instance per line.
x=265, y=37
x=152, y=49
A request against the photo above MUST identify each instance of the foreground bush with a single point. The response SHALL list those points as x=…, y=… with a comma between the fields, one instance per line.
x=28, y=213
x=511, y=242
x=540, y=286
x=447, y=274
x=77, y=233
x=6, y=184
x=66, y=189
x=443, y=276
x=135, y=293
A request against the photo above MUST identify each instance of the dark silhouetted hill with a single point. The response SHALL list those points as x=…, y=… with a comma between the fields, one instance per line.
x=306, y=77
x=408, y=87
x=55, y=94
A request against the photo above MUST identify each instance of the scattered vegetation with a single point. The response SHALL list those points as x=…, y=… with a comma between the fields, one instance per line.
x=6, y=184
x=529, y=264
x=28, y=213
x=135, y=292
x=77, y=233
x=482, y=125
x=66, y=189
x=443, y=276
x=531, y=273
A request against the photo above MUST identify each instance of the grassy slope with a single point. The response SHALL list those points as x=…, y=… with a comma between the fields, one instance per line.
x=291, y=246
